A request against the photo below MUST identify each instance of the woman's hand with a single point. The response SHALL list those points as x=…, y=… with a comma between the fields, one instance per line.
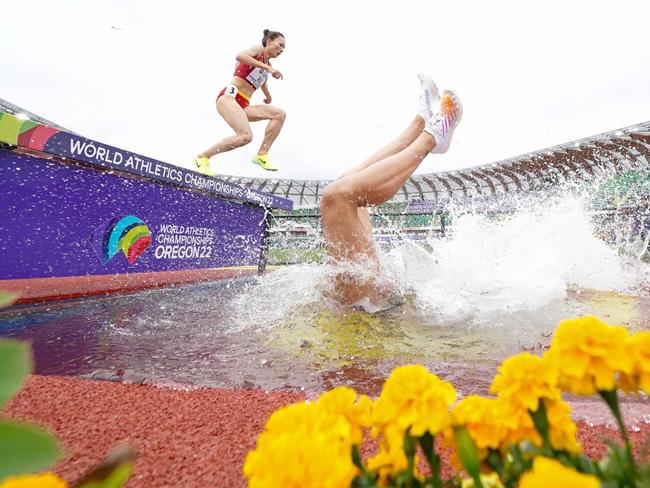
x=267, y=99
x=274, y=73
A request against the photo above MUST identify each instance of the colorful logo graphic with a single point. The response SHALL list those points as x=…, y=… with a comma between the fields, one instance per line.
x=25, y=133
x=128, y=234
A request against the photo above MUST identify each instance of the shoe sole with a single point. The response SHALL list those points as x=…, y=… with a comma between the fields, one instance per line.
x=425, y=79
x=267, y=169
x=205, y=172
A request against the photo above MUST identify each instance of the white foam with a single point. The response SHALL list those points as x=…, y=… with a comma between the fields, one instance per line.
x=514, y=265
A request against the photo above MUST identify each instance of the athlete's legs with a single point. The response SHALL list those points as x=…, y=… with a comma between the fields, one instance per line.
x=348, y=236
x=347, y=230
x=427, y=105
x=236, y=118
x=274, y=115
x=379, y=182
x=364, y=216
x=402, y=141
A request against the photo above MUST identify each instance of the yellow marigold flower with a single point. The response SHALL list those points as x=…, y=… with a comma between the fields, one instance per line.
x=589, y=354
x=412, y=398
x=46, y=480
x=303, y=445
x=391, y=458
x=517, y=424
x=525, y=379
x=343, y=401
x=487, y=480
x=639, y=350
x=548, y=472
x=480, y=416
x=562, y=429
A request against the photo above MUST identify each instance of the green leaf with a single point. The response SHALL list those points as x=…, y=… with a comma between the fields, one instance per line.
x=363, y=481
x=615, y=467
x=427, y=443
x=580, y=462
x=7, y=298
x=611, y=398
x=540, y=420
x=468, y=455
x=356, y=459
x=113, y=471
x=115, y=479
x=15, y=365
x=495, y=461
x=409, y=447
x=25, y=449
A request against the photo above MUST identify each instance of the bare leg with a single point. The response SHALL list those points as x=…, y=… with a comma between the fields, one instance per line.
x=364, y=216
x=348, y=236
x=236, y=118
x=276, y=118
x=401, y=142
x=427, y=104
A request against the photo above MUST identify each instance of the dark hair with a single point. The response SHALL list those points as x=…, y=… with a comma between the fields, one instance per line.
x=269, y=35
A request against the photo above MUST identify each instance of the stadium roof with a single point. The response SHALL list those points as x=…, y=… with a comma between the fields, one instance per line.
x=602, y=154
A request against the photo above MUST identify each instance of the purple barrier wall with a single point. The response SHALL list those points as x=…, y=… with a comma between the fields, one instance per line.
x=48, y=140
x=60, y=220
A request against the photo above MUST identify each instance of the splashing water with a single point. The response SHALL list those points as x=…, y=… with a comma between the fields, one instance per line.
x=494, y=287
x=487, y=268
x=516, y=265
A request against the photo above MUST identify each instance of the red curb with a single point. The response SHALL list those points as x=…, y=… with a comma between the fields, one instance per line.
x=34, y=290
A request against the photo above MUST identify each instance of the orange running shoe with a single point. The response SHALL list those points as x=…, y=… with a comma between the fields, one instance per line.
x=442, y=125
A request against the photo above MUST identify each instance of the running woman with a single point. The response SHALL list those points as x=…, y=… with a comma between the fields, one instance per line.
x=251, y=72
x=349, y=242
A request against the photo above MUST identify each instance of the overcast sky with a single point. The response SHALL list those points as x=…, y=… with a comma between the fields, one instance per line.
x=143, y=75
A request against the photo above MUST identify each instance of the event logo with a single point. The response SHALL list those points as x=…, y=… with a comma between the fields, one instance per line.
x=128, y=234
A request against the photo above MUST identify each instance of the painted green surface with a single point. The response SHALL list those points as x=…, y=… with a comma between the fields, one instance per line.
x=9, y=128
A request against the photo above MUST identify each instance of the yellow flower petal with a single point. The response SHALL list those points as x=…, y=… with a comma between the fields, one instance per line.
x=46, y=480
x=549, y=472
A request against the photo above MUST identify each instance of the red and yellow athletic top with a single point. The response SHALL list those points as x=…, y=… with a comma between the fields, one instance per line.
x=255, y=76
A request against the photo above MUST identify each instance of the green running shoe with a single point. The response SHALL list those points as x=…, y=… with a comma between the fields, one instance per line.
x=263, y=161
x=203, y=166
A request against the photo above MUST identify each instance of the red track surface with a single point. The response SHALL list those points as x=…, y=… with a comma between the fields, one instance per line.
x=182, y=438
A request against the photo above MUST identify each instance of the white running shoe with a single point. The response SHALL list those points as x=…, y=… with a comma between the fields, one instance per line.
x=429, y=101
x=442, y=125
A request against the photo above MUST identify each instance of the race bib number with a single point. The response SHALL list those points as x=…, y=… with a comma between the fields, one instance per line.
x=231, y=90
x=257, y=77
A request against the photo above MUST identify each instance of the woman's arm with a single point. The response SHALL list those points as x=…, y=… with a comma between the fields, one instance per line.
x=248, y=57
x=267, y=93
